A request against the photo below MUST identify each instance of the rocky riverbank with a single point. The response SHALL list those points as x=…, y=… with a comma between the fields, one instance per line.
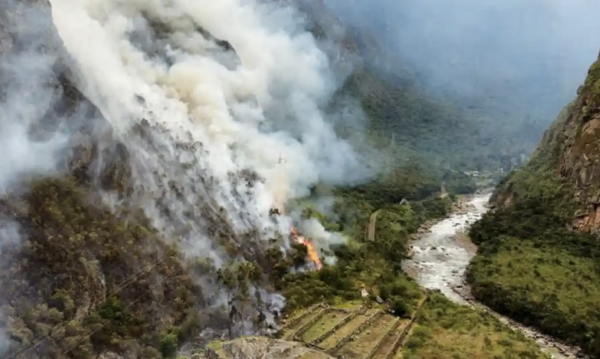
x=440, y=254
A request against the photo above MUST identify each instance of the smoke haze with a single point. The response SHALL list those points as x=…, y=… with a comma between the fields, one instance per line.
x=28, y=97
x=512, y=58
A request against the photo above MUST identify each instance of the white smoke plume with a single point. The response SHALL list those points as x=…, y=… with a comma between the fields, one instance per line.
x=231, y=93
x=27, y=98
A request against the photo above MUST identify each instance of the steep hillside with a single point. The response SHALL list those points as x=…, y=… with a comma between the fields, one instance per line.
x=570, y=148
x=539, y=251
x=424, y=126
x=85, y=271
x=77, y=280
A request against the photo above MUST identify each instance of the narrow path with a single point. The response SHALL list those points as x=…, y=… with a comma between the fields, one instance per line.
x=440, y=258
x=372, y=223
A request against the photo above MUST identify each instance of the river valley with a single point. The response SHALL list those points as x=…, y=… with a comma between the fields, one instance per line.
x=441, y=254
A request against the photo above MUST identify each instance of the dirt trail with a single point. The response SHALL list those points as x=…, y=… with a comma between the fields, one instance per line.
x=372, y=223
x=440, y=257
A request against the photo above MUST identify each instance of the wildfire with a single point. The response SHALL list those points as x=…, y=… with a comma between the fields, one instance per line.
x=313, y=255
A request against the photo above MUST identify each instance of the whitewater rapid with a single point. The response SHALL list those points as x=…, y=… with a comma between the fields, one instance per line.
x=440, y=258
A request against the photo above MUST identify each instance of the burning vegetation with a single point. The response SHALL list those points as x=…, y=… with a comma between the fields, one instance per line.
x=311, y=250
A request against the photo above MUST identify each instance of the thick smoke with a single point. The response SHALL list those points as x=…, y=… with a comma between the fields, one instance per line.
x=248, y=117
x=519, y=59
x=27, y=97
x=228, y=98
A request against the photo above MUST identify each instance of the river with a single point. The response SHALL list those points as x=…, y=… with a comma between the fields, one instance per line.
x=441, y=254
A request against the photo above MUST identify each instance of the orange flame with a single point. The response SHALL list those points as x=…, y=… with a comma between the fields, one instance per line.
x=313, y=255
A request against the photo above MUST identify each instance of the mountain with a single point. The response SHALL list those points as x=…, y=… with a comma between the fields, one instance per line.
x=513, y=78
x=65, y=255
x=161, y=159
x=539, y=254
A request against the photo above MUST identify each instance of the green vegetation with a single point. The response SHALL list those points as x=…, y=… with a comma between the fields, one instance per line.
x=444, y=329
x=424, y=126
x=374, y=264
x=418, y=123
x=592, y=83
x=533, y=269
x=530, y=265
x=544, y=286
x=447, y=330
x=70, y=281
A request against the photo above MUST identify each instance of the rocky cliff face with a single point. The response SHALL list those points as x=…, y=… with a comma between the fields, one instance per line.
x=565, y=168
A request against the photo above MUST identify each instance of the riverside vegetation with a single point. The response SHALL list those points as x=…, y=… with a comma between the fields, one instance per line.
x=443, y=329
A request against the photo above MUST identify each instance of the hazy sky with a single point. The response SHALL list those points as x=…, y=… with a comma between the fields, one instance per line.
x=536, y=51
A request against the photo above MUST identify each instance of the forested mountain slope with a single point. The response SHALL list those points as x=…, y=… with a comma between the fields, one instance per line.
x=540, y=253
x=70, y=266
